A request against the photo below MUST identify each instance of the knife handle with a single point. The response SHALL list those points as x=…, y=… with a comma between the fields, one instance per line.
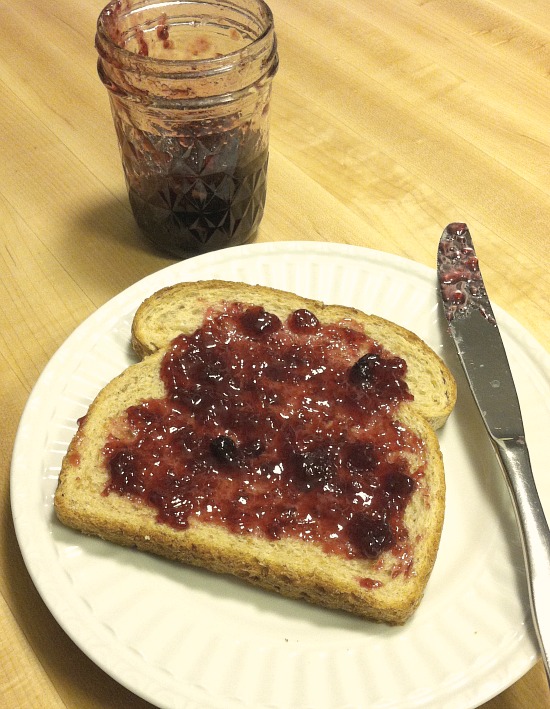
x=535, y=535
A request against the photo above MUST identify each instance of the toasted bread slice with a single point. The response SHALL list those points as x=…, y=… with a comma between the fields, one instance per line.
x=385, y=588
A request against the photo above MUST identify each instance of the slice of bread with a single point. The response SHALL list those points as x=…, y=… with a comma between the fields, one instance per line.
x=385, y=588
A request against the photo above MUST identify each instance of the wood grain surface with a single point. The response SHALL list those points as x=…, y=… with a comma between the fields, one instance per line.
x=389, y=120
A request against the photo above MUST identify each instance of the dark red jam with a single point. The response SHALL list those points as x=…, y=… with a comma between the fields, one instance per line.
x=211, y=195
x=461, y=283
x=278, y=429
x=204, y=205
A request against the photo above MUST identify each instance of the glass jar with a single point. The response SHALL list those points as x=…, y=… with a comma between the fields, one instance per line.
x=189, y=84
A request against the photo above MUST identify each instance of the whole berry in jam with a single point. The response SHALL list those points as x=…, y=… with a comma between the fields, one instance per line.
x=381, y=377
x=302, y=319
x=257, y=321
x=364, y=371
x=225, y=450
x=399, y=485
x=370, y=536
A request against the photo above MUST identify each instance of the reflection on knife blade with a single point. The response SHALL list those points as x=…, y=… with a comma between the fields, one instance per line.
x=462, y=287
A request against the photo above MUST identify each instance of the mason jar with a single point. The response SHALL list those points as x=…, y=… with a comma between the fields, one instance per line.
x=189, y=83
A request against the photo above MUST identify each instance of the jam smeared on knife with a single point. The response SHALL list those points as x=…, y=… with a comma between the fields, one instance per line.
x=462, y=286
x=275, y=428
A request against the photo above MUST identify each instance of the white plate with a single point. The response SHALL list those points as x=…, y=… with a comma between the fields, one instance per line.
x=180, y=637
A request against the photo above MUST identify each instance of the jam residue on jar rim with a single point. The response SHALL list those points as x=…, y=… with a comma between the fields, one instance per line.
x=281, y=429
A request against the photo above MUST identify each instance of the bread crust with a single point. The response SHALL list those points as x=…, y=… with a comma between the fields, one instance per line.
x=290, y=567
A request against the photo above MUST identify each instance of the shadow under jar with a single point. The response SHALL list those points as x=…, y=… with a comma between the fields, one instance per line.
x=189, y=84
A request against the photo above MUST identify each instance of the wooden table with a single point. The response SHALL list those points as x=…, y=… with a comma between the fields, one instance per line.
x=390, y=119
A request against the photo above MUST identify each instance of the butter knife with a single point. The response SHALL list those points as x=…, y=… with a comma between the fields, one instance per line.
x=473, y=327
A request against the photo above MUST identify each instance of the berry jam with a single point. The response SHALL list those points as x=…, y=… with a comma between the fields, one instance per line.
x=197, y=215
x=461, y=283
x=274, y=428
x=198, y=193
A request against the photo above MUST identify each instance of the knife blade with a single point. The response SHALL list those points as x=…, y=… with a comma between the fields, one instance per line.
x=474, y=330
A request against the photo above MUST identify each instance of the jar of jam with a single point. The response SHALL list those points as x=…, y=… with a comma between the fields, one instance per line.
x=189, y=84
